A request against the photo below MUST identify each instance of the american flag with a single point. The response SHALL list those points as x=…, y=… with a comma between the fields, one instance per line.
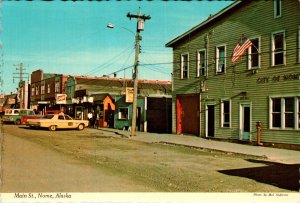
x=240, y=49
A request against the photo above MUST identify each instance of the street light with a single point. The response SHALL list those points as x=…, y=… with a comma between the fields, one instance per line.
x=112, y=26
x=140, y=27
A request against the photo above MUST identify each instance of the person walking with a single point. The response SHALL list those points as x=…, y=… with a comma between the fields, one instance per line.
x=90, y=118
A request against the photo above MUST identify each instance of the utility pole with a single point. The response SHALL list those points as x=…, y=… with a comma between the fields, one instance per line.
x=140, y=27
x=20, y=74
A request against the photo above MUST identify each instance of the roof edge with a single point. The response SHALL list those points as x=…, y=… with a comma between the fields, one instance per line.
x=213, y=17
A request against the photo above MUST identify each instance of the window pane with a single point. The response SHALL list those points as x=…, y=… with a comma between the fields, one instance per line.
x=289, y=120
x=276, y=105
x=289, y=104
x=276, y=120
x=226, y=106
x=279, y=58
x=278, y=42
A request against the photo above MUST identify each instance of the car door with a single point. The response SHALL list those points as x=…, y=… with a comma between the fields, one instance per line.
x=70, y=123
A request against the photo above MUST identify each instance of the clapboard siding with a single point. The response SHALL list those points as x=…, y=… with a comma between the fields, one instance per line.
x=253, y=19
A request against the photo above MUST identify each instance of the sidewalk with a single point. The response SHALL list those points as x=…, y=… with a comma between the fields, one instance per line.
x=272, y=154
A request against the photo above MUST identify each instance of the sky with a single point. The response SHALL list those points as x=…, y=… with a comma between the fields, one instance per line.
x=72, y=38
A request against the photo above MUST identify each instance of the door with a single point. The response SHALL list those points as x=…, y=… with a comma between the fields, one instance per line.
x=245, y=122
x=210, y=121
x=188, y=119
x=138, y=118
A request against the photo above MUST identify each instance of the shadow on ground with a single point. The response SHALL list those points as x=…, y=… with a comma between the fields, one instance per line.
x=285, y=176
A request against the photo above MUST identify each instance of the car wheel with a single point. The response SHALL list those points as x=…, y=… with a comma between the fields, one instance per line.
x=52, y=128
x=18, y=122
x=80, y=127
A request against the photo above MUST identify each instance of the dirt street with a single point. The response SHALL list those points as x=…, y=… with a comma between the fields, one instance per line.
x=92, y=161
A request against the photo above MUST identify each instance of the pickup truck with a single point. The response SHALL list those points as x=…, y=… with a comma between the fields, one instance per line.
x=15, y=116
x=57, y=121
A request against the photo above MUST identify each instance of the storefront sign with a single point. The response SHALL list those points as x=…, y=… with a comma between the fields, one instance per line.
x=61, y=98
x=129, y=94
x=75, y=101
x=88, y=99
x=278, y=78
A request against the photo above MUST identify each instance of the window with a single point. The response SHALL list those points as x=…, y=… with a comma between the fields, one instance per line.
x=278, y=48
x=225, y=113
x=289, y=112
x=277, y=8
x=298, y=112
x=37, y=90
x=184, y=66
x=123, y=113
x=201, y=63
x=220, y=59
x=48, y=88
x=276, y=112
x=254, y=55
x=32, y=90
x=57, y=87
x=43, y=89
x=284, y=112
x=299, y=45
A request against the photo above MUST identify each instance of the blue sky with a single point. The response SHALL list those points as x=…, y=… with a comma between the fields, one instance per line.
x=72, y=38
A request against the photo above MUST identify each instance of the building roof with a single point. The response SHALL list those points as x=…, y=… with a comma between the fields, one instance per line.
x=210, y=19
x=121, y=82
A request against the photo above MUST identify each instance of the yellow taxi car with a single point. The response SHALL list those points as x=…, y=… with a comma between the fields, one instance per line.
x=57, y=121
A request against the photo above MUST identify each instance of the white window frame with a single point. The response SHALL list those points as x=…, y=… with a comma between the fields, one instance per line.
x=223, y=113
x=299, y=44
x=277, y=8
x=217, y=58
x=282, y=113
x=250, y=67
x=120, y=117
x=182, y=66
x=273, y=48
x=199, y=66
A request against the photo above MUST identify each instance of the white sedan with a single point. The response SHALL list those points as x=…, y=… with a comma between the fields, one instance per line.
x=57, y=121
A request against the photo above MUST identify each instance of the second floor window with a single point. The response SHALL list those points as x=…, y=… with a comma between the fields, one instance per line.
x=48, y=88
x=220, y=59
x=201, y=63
x=43, y=89
x=184, y=66
x=277, y=8
x=57, y=87
x=37, y=90
x=253, y=54
x=278, y=48
x=32, y=91
x=299, y=45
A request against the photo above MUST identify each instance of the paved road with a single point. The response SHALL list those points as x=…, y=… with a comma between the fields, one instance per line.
x=40, y=164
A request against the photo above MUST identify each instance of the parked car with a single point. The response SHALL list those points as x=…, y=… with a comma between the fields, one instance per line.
x=57, y=121
x=15, y=115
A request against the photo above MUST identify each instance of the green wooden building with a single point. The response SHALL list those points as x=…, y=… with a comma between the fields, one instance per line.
x=216, y=96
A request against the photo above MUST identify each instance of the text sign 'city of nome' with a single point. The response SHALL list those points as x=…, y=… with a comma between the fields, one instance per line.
x=278, y=78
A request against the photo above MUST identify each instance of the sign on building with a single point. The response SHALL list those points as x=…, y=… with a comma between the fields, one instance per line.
x=129, y=94
x=61, y=98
